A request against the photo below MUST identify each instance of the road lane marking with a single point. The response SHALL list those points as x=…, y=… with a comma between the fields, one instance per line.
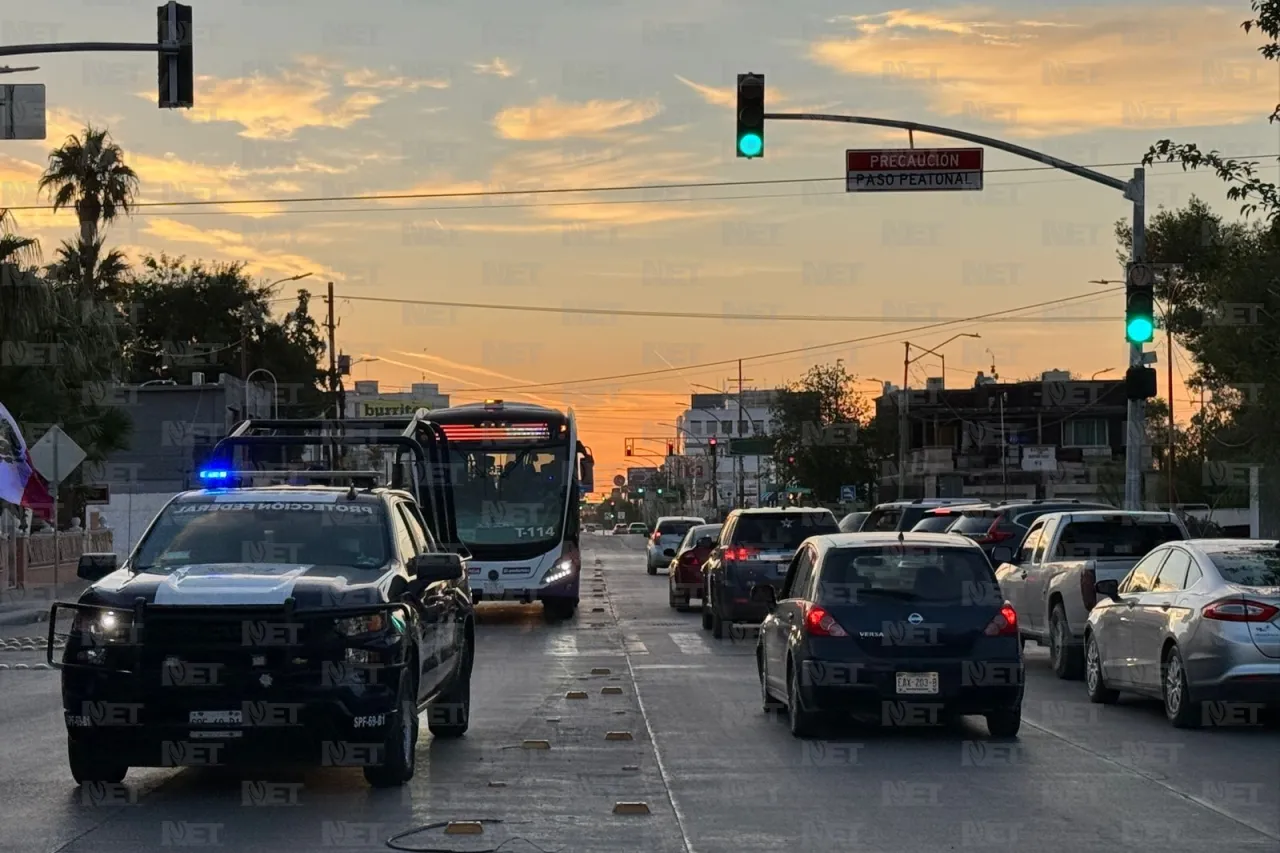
x=633, y=646
x=691, y=644
x=564, y=646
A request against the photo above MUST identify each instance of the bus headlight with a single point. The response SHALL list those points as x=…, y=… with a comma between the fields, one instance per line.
x=561, y=570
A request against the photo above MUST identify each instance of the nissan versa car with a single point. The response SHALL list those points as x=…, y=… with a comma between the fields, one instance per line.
x=265, y=625
x=908, y=627
x=755, y=547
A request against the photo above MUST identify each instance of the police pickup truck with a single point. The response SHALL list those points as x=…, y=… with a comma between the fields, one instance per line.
x=292, y=624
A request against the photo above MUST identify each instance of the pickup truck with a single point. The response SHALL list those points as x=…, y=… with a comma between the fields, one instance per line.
x=1050, y=578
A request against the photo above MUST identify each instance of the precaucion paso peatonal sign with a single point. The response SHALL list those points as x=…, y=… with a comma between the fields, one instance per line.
x=910, y=169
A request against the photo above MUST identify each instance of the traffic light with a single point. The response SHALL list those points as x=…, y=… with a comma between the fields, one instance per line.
x=640, y=491
x=671, y=448
x=1139, y=312
x=1140, y=383
x=751, y=115
x=711, y=443
x=659, y=491
x=628, y=447
x=791, y=460
x=177, y=69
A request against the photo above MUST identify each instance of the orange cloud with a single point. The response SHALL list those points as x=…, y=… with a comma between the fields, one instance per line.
x=498, y=68
x=550, y=118
x=233, y=246
x=1086, y=69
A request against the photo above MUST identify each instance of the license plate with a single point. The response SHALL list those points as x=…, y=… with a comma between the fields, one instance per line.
x=492, y=588
x=924, y=683
x=782, y=568
x=200, y=718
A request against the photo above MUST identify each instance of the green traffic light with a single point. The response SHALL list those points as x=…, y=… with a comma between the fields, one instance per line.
x=750, y=145
x=1140, y=330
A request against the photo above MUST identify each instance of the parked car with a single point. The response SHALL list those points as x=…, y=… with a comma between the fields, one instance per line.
x=619, y=530
x=903, y=515
x=755, y=547
x=667, y=535
x=1195, y=623
x=1007, y=522
x=1051, y=578
x=891, y=624
x=684, y=577
x=939, y=520
x=852, y=522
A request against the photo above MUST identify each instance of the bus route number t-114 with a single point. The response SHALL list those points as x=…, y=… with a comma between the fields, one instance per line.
x=535, y=532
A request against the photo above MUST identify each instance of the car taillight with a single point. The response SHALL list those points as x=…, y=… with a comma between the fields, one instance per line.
x=688, y=558
x=1088, y=588
x=995, y=534
x=657, y=537
x=1005, y=624
x=820, y=623
x=740, y=554
x=1239, y=610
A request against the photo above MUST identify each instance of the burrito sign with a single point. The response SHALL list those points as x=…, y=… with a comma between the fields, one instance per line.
x=388, y=408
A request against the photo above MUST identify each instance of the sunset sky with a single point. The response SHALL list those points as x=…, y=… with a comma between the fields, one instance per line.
x=307, y=98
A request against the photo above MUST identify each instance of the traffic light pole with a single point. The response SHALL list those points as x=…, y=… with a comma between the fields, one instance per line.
x=1134, y=190
x=82, y=47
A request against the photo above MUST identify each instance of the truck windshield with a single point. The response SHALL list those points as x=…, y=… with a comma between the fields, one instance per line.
x=329, y=533
x=1118, y=539
x=510, y=496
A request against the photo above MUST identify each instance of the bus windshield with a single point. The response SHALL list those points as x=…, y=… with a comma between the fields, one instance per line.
x=510, y=496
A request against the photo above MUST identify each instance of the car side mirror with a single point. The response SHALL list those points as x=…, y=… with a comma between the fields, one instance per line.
x=95, y=567
x=764, y=594
x=437, y=566
x=1110, y=588
x=1003, y=554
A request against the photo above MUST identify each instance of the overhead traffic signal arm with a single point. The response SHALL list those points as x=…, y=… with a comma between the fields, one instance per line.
x=750, y=115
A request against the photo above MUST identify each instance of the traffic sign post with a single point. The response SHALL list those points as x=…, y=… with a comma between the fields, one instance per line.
x=912, y=169
x=56, y=455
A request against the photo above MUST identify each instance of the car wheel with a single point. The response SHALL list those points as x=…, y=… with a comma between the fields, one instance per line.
x=89, y=764
x=1068, y=659
x=803, y=722
x=1178, y=706
x=717, y=624
x=671, y=595
x=706, y=616
x=1005, y=722
x=450, y=714
x=770, y=704
x=399, y=746
x=1099, y=692
x=653, y=570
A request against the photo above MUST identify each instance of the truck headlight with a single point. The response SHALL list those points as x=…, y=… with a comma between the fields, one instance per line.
x=101, y=627
x=358, y=626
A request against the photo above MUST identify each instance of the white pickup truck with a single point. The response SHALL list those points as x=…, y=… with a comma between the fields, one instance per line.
x=1050, y=578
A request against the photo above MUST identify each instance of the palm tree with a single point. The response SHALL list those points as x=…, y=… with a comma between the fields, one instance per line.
x=89, y=174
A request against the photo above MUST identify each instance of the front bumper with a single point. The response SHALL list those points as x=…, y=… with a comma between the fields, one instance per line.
x=870, y=686
x=527, y=592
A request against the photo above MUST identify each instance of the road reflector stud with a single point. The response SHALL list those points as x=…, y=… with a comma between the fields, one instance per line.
x=631, y=767
x=597, y=610
x=618, y=736
x=464, y=827
x=536, y=744
x=619, y=712
x=611, y=691
x=600, y=670
x=553, y=719
x=496, y=784
x=631, y=808
x=576, y=694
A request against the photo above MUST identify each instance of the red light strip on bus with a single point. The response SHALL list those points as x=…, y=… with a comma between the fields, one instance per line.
x=466, y=432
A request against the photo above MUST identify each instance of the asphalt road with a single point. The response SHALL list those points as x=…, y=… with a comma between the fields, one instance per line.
x=716, y=772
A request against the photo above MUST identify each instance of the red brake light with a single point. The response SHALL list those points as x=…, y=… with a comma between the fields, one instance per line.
x=995, y=534
x=657, y=537
x=820, y=623
x=740, y=554
x=1005, y=624
x=1088, y=590
x=1240, y=610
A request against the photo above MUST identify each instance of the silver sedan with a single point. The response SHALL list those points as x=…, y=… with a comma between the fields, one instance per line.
x=1195, y=623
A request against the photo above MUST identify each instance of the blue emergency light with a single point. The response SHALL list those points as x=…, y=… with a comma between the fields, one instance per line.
x=218, y=474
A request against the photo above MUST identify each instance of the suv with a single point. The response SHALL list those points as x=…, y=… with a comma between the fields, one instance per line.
x=308, y=624
x=940, y=519
x=1006, y=523
x=901, y=516
x=667, y=536
x=755, y=547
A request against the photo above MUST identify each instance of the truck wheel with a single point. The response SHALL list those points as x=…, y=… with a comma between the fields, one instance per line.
x=91, y=764
x=400, y=744
x=1068, y=659
x=449, y=715
x=559, y=608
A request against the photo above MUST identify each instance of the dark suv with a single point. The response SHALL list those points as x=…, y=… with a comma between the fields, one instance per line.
x=1006, y=523
x=901, y=516
x=755, y=547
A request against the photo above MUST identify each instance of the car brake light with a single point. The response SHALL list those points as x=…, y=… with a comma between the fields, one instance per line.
x=820, y=623
x=1088, y=588
x=995, y=534
x=740, y=554
x=1005, y=624
x=657, y=537
x=1239, y=610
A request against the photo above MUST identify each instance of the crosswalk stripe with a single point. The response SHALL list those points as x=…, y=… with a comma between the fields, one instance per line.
x=633, y=646
x=690, y=644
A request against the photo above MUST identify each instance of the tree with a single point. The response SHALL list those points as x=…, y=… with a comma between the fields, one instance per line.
x=213, y=318
x=806, y=450
x=89, y=174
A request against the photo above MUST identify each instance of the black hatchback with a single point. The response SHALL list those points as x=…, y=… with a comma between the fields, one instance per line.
x=909, y=627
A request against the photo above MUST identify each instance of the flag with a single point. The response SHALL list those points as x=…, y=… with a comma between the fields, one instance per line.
x=20, y=483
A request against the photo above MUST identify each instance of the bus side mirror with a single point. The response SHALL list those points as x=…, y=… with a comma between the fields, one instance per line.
x=587, y=476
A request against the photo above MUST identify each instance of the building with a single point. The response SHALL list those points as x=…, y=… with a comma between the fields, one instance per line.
x=719, y=415
x=1055, y=437
x=366, y=401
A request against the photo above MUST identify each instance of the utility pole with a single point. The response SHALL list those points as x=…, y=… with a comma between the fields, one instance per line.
x=1136, y=192
x=1169, y=472
x=902, y=424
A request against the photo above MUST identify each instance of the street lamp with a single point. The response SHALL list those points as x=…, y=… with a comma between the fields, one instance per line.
x=297, y=277
x=275, y=392
x=1100, y=372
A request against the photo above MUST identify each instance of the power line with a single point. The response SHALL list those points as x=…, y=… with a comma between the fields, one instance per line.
x=620, y=312
x=541, y=191
x=709, y=364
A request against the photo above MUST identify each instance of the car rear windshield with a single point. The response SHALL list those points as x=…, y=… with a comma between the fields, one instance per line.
x=330, y=533
x=1251, y=566
x=709, y=531
x=882, y=519
x=942, y=575
x=932, y=523
x=974, y=522
x=782, y=532
x=675, y=528
x=1088, y=540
